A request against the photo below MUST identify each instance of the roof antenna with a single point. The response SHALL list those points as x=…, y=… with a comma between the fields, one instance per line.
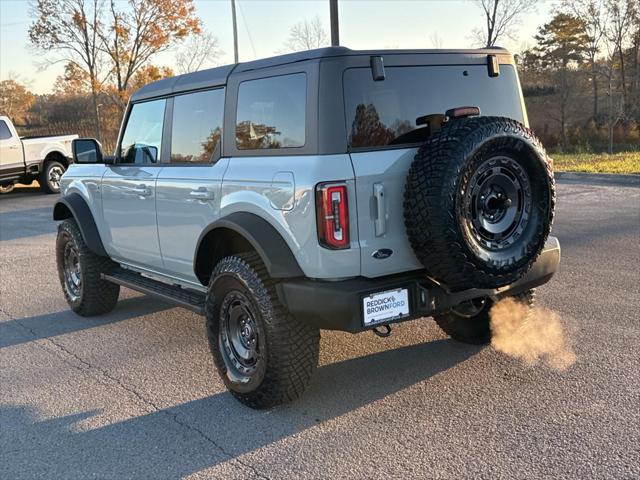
x=335, y=24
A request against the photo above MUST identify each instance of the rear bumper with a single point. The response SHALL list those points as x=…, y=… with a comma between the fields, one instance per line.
x=338, y=305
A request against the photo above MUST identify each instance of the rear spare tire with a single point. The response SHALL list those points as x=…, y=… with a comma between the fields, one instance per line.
x=479, y=202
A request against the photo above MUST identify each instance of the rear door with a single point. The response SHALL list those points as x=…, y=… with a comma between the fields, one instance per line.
x=129, y=189
x=188, y=188
x=383, y=138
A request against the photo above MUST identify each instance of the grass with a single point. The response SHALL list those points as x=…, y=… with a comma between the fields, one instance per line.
x=623, y=162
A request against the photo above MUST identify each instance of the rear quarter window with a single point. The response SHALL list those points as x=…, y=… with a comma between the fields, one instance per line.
x=271, y=112
x=384, y=113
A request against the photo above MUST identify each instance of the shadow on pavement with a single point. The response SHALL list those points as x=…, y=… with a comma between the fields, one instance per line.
x=26, y=223
x=59, y=323
x=190, y=437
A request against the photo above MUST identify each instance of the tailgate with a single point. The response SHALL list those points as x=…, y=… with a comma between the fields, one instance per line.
x=380, y=181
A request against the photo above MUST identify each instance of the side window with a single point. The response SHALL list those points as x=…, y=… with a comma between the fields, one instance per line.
x=271, y=112
x=197, y=126
x=142, y=137
x=5, y=133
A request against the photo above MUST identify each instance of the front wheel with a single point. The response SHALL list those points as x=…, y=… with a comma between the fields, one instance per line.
x=50, y=177
x=7, y=188
x=470, y=322
x=79, y=271
x=263, y=354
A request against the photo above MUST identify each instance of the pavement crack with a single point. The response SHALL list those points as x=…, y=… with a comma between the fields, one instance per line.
x=215, y=444
x=141, y=398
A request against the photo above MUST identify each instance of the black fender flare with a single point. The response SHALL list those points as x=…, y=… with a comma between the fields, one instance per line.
x=73, y=205
x=264, y=238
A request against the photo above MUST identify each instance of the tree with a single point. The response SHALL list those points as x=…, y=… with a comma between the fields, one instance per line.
x=501, y=16
x=436, y=40
x=71, y=28
x=591, y=12
x=74, y=81
x=307, y=35
x=621, y=15
x=148, y=74
x=634, y=88
x=144, y=29
x=561, y=43
x=199, y=51
x=15, y=100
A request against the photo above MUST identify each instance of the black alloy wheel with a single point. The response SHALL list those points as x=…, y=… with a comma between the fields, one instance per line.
x=497, y=204
x=72, y=272
x=241, y=342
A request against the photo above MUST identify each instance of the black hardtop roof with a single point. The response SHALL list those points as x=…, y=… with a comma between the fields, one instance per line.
x=218, y=76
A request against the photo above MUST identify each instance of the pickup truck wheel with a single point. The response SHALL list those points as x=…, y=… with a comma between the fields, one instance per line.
x=263, y=354
x=50, y=176
x=7, y=188
x=470, y=322
x=79, y=271
x=479, y=202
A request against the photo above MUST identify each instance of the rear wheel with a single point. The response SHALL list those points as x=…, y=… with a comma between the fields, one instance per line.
x=470, y=322
x=263, y=354
x=79, y=271
x=50, y=176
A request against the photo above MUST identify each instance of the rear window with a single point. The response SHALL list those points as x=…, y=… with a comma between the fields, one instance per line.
x=384, y=113
x=196, y=130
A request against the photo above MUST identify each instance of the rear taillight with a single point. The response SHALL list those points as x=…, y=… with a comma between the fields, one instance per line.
x=332, y=215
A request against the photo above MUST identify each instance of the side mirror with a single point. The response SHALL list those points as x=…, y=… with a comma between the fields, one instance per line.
x=86, y=150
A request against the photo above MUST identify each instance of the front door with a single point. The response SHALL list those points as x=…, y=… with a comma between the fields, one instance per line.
x=129, y=189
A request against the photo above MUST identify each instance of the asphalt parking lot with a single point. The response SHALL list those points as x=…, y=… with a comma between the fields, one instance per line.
x=133, y=394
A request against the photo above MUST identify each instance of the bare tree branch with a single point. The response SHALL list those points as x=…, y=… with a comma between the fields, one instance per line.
x=199, y=51
x=307, y=35
x=501, y=17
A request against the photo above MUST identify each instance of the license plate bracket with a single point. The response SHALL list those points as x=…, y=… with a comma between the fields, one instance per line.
x=384, y=307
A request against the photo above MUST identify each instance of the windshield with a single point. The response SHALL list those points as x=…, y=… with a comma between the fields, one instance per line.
x=385, y=112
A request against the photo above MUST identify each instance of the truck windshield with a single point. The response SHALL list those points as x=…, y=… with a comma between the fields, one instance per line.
x=385, y=112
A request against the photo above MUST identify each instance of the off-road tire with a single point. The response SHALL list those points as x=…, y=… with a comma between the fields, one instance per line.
x=289, y=348
x=476, y=330
x=46, y=184
x=96, y=296
x=441, y=177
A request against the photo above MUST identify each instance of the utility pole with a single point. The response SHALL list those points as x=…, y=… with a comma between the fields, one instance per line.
x=335, y=24
x=235, y=31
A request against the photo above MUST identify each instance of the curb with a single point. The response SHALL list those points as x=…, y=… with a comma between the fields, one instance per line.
x=599, y=178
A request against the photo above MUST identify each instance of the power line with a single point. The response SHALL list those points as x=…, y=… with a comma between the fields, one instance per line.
x=244, y=20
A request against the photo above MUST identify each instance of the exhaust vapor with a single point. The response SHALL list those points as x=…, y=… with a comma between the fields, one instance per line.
x=532, y=335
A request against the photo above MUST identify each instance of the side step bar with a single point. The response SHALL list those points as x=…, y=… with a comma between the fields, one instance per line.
x=189, y=299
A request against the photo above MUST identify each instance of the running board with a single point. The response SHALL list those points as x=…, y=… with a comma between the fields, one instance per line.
x=179, y=296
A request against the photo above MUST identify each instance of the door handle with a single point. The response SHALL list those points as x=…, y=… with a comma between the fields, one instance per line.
x=142, y=190
x=201, y=194
x=381, y=209
x=13, y=147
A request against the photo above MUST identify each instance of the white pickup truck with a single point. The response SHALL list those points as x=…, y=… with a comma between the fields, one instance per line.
x=23, y=160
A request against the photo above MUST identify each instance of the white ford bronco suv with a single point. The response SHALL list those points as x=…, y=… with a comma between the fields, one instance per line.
x=329, y=189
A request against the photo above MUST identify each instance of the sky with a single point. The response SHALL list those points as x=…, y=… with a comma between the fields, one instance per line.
x=263, y=27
